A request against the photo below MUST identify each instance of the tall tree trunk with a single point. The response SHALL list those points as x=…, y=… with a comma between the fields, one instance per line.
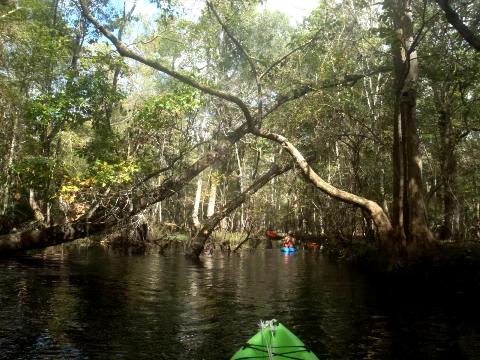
x=448, y=165
x=241, y=183
x=34, y=205
x=159, y=208
x=212, y=195
x=406, y=141
x=398, y=173
x=381, y=221
x=55, y=128
x=197, y=202
x=8, y=166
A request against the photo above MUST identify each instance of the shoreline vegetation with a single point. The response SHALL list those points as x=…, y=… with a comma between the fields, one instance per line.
x=449, y=264
x=452, y=270
x=363, y=127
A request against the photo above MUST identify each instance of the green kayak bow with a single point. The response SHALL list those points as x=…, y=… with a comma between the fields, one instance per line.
x=274, y=341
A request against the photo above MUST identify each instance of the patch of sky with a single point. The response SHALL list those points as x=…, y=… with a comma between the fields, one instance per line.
x=148, y=11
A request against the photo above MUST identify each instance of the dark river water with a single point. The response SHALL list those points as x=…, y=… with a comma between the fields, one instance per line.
x=94, y=304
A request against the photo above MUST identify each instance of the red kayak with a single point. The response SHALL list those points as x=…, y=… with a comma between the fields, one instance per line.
x=272, y=234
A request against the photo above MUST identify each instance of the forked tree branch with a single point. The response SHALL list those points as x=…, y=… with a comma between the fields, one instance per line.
x=302, y=90
x=123, y=50
x=284, y=57
x=249, y=59
x=234, y=40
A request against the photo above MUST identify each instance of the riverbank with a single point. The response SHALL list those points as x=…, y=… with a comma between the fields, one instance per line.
x=454, y=266
x=158, y=240
x=449, y=266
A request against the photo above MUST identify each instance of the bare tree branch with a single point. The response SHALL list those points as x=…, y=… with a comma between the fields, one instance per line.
x=246, y=55
x=123, y=50
x=90, y=224
x=454, y=19
x=211, y=223
x=10, y=13
x=349, y=79
x=234, y=40
x=169, y=166
x=284, y=57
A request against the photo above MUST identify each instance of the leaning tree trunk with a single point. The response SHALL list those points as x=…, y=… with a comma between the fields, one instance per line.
x=454, y=19
x=88, y=225
x=41, y=238
x=380, y=219
x=198, y=242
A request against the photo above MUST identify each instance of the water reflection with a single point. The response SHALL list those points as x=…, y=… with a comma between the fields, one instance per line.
x=97, y=305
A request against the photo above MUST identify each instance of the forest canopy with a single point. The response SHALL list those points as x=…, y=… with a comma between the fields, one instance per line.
x=359, y=120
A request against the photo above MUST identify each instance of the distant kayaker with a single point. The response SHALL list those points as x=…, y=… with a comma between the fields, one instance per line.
x=289, y=241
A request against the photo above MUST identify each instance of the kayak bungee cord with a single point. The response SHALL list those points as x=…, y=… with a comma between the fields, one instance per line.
x=285, y=355
x=274, y=341
x=264, y=325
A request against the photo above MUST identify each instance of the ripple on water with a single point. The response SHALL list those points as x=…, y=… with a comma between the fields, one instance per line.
x=99, y=305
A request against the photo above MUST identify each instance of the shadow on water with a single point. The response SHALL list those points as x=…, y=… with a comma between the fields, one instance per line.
x=94, y=304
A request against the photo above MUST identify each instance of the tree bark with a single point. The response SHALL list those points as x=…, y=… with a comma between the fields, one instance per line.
x=448, y=161
x=212, y=195
x=380, y=219
x=41, y=238
x=196, y=204
x=398, y=169
x=34, y=205
x=8, y=166
x=375, y=211
x=406, y=142
x=454, y=19
x=34, y=239
x=241, y=181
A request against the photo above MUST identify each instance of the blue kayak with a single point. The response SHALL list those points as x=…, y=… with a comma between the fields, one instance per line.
x=288, y=249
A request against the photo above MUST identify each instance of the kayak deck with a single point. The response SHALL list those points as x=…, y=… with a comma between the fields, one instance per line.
x=277, y=340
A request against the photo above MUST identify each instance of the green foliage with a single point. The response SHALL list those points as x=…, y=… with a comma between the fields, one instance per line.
x=84, y=120
x=35, y=171
x=101, y=175
x=167, y=109
x=104, y=174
